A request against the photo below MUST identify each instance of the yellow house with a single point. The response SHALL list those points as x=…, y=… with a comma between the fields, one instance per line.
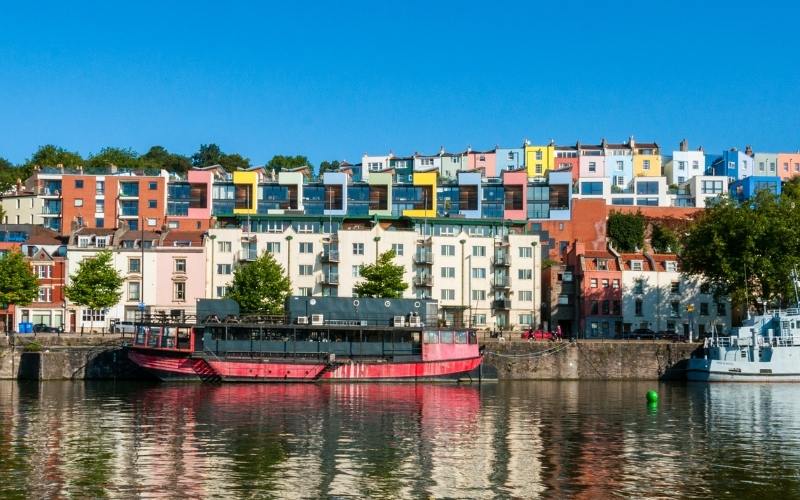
x=428, y=181
x=646, y=159
x=539, y=159
x=245, y=192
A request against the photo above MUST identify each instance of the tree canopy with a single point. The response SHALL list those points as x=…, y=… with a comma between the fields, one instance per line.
x=18, y=284
x=96, y=284
x=663, y=239
x=260, y=286
x=119, y=157
x=384, y=279
x=211, y=154
x=50, y=156
x=159, y=157
x=9, y=174
x=329, y=166
x=281, y=162
x=626, y=230
x=748, y=250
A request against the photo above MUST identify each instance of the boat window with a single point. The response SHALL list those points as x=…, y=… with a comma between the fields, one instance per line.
x=461, y=337
x=447, y=337
x=473, y=337
x=744, y=353
x=431, y=337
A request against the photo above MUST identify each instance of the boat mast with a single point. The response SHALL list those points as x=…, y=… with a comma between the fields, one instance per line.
x=794, y=283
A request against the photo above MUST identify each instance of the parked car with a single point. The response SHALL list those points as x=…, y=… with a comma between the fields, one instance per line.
x=123, y=327
x=539, y=334
x=641, y=334
x=43, y=328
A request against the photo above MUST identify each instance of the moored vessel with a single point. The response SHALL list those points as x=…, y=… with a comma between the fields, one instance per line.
x=319, y=339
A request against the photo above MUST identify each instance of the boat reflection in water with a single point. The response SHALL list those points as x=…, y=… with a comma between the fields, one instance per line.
x=523, y=440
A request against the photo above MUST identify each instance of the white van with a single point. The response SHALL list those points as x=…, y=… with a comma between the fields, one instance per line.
x=123, y=327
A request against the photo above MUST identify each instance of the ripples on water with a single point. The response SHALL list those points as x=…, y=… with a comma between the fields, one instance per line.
x=522, y=439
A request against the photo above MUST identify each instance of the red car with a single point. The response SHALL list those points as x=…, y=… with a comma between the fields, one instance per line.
x=539, y=334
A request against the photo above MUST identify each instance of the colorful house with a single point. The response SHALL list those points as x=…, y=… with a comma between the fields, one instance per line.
x=591, y=160
x=539, y=159
x=684, y=164
x=509, y=159
x=482, y=161
x=788, y=165
x=599, y=301
x=646, y=159
x=733, y=164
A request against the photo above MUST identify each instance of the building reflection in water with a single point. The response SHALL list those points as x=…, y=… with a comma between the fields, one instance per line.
x=525, y=440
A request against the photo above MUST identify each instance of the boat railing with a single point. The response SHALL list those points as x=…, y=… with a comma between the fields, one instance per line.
x=762, y=341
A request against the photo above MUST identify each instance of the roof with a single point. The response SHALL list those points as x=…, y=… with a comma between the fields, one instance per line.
x=195, y=237
x=137, y=235
x=646, y=145
x=661, y=260
x=590, y=257
x=628, y=258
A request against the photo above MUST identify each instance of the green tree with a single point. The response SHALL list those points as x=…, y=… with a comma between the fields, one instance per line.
x=125, y=158
x=18, y=284
x=383, y=279
x=626, y=230
x=50, y=156
x=329, y=166
x=158, y=157
x=663, y=239
x=281, y=162
x=96, y=284
x=9, y=174
x=260, y=286
x=211, y=154
x=747, y=251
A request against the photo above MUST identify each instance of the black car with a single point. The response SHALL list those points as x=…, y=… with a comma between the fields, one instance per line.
x=642, y=334
x=43, y=328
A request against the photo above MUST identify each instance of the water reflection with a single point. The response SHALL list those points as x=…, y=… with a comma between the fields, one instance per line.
x=569, y=439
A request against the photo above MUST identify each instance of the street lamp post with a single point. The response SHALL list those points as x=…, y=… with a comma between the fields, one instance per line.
x=289, y=255
x=376, y=240
x=462, y=280
x=534, y=302
x=213, y=238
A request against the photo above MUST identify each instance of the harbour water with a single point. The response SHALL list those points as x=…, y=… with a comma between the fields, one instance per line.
x=516, y=439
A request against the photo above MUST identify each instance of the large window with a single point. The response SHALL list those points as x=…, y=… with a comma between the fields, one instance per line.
x=198, y=196
x=559, y=197
x=333, y=197
x=134, y=291
x=592, y=188
x=93, y=315
x=468, y=197
x=179, y=291
x=378, y=197
x=244, y=196
x=513, y=197
x=649, y=187
x=711, y=187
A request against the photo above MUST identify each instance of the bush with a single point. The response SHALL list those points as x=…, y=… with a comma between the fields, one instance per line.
x=663, y=239
x=33, y=346
x=626, y=230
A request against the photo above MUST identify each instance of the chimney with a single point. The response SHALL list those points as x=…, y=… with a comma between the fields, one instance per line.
x=748, y=150
x=469, y=148
x=631, y=142
x=603, y=143
x=701, y=149
x=684, y=145
x=441, y=150
x=578, y=145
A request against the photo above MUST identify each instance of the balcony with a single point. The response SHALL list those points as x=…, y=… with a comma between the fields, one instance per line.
x=501, y=304
x=330, y=279
x=423, y=258
x=501, y=282
x=423, y=280
x=129, y=190
x=502, y=260
x=330, y=256
x=129, y=211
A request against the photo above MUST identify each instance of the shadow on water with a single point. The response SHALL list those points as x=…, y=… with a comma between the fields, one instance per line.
x=521, y=439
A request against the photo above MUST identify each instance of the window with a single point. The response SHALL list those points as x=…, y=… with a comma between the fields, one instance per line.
x=620, y=165
x=595, y=307
x=720, y=309
x=649, y=187
x=695, y=165
x=100, y=187
x=602, y=265
x=78, y=183
x=44, y=271
x=99, y=206
x=479, y=272
x=703, y=308
x=675, y=287
x=224, y=268
x=152, y=185
x=638, y=307
x=563, y=299
x=525, y=252
x=449, y=250
x=358, y=249
x=646, y=165
x=305, y=227
x=78, y=202
x=224, y=246
x=593, y=283
x=674, y=309
x=638, y=288
x=525, y=295
x=615, y=284
x=478, y=319
x=134, y=291
x=711, y=187
x=448, y=272
x=134, y=265
x=592, y=166
x=605, y=283
x=448, y=294
x=539, y=156
x=179, y=291
x=45, y=294
x=305, y=291
x=357, y=271
x=525, y=319
x=151, y=222
x=398, y=249
x=606, y=307
x=479, y=295
x=671, y=266
x=636, y=265
x=592, y=188
x=100, y=242
x=525, y=274
x=681, y=165
x=180, y=265
x=274, y=247
x=306, y=247
x=221, y=291
x=93, y=315
x=619, y=180
x=152, y=203
x=306, y=269
x=478, y=251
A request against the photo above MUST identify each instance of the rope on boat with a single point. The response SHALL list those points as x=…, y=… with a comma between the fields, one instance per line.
x=540, y=354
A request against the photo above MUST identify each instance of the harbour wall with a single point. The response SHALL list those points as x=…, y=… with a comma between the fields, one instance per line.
x=68, y=358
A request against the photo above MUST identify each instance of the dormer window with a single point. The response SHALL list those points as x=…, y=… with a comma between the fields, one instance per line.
x=636, y=265
x=100, y=242
x=602, y=264
x=671, y=266
x=83, y=242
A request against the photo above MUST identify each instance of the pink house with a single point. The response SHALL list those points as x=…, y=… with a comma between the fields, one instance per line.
x=515, y=188
x=196, y=202
x=566, y=157
x=483, y=161
x=788, y=165
x=180, y=272
x=591, y=161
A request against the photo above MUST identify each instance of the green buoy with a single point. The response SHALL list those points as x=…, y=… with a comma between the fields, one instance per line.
x=652, y=397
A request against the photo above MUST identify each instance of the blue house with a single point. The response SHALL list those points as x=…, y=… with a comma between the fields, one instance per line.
x=733, y=164
x=744, y=189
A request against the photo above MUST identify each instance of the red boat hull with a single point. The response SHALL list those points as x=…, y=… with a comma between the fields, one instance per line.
x=180, y=366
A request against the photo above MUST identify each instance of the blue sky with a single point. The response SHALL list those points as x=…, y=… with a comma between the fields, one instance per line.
x=335, y=80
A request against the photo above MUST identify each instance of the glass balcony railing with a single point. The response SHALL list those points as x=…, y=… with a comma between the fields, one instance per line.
x=129, y=189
